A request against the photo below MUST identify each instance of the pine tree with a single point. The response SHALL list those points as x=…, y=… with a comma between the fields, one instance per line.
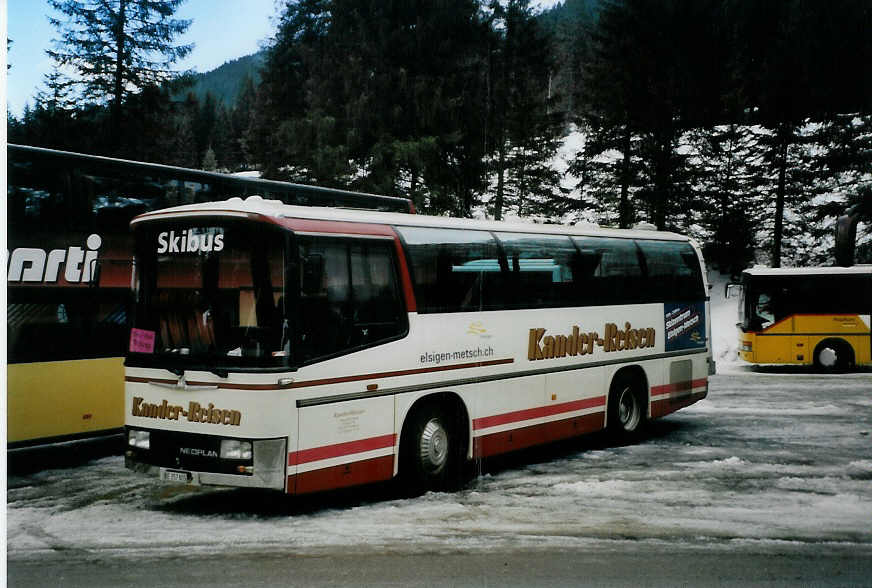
x=732, y=204
x=524, y=127
x=793, y=56
x=839, y=155
x=210, y=162
x=117, y=47
x=204, y=124
x=240, y=120
x=222, y=140
x=649, y=82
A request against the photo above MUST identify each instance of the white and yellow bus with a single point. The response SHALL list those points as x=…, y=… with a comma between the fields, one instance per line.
x=304, y=349
x=806, y=316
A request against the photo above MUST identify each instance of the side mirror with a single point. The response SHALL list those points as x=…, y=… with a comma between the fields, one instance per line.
x=733, y=290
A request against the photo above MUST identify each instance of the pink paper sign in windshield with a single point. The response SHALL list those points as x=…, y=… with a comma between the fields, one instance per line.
x=141, y=341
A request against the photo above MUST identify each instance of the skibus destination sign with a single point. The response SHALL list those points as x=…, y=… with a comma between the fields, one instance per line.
x=195, y=240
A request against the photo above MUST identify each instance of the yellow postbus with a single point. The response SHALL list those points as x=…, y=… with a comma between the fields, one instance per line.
x=806, y=316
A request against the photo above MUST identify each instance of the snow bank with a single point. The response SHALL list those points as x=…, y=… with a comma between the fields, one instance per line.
x=724, y=316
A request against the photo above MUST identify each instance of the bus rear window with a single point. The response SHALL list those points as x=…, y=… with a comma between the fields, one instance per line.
x=673, y=270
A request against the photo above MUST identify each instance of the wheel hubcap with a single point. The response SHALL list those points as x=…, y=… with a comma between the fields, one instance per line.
x=828, y=357
x=628, y=410
x=434, y=445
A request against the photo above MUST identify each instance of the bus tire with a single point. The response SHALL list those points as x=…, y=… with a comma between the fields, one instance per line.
x=626, y=410
x=431, y=452
x=833, y=355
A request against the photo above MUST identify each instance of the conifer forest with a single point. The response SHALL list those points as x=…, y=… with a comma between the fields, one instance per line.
x=745, y=124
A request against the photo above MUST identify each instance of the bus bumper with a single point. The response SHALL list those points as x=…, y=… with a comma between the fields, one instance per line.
x=268, y=469
x=206, y=478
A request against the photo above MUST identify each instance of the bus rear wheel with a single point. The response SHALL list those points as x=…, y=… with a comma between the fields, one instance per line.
x=833, y=355
x=626, y=411
x=430, y=450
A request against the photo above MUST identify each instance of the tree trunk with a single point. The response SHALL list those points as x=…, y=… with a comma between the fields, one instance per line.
x=624, y=212
x=784, y=141
x=119, y=76
x=501, y=182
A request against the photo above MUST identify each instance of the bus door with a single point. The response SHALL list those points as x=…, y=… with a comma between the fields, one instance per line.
x=349, y=306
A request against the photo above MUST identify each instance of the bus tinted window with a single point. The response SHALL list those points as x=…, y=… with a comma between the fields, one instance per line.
x=453, y=270
x=816, y=294
x=609, y=271
x=349, y=296
x=52, y=324
x=539, y=271
x=673, y=270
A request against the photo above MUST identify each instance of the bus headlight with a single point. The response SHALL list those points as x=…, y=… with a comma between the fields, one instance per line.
x=139, y=439
x=235, y=449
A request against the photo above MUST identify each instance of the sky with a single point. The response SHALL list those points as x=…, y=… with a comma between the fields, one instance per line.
x=221, y=30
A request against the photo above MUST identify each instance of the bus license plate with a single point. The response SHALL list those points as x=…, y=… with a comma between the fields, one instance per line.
x=173, y=476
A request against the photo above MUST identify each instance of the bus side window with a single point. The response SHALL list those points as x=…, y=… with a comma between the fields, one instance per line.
x=379, y=313
x=454, y=270
x=617, y=278
x=349, y=296
x=540, y=269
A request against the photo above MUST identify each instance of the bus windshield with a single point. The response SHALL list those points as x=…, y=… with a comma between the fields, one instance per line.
x=209, y=294
x=768, y=300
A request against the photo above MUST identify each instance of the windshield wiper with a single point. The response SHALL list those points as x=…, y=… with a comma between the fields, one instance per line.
x=221, y=373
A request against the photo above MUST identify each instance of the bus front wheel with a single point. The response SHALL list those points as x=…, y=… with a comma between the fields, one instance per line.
x=430, y=452
x=626, y=410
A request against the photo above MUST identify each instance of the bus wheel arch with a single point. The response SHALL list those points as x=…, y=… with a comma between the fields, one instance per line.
x=833, y=354
x=434, y=443
x=627, y=408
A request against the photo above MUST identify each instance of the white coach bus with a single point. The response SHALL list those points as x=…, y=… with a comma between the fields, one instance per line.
x=303, y=349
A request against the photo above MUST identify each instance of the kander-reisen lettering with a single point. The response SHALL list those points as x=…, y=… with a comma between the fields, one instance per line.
x=542, y=346
x=194, y=413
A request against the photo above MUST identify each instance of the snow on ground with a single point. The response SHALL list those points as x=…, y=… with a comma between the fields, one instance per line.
x=762, y=464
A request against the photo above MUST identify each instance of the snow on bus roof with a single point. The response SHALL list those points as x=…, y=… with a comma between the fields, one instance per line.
x=277, y=208
x=807, y=271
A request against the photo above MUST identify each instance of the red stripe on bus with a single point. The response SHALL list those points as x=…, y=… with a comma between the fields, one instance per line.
x=503, y=442
x=350, y=474
x=341, y=449
x=668, y=405
x=678, y=386
x=538, y=412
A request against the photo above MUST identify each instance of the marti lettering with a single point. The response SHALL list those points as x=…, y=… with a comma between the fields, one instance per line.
x=31, y=264
x=577, y=342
